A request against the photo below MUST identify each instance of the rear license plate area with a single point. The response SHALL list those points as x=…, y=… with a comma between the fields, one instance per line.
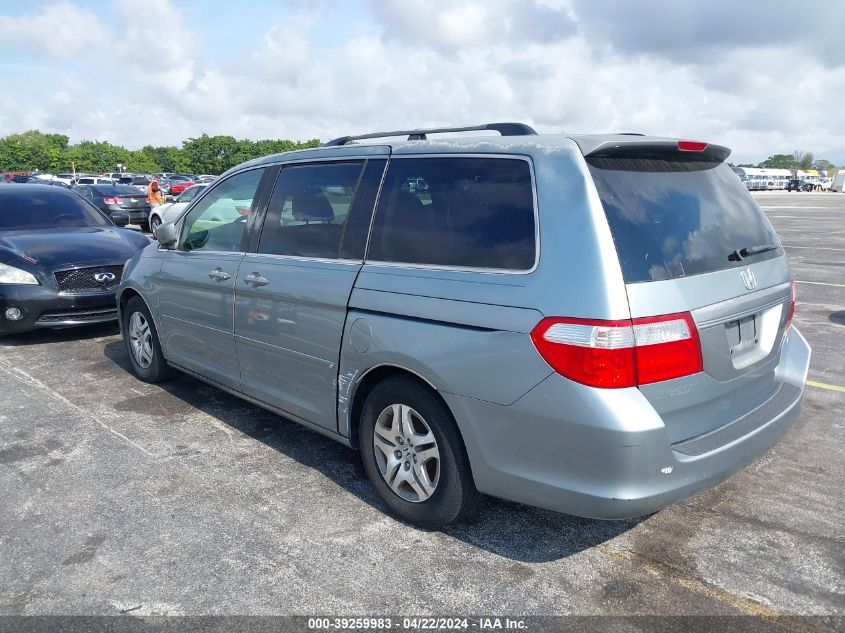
x=742, y=333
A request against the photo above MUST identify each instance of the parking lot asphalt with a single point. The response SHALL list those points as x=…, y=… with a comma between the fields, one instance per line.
x=118, y=496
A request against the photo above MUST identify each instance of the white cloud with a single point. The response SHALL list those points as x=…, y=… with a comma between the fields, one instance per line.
x=60, y=30
x=561, y=66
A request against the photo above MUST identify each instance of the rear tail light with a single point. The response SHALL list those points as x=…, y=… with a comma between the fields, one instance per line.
x=692, y=146
x=614, y=354
x=791, y=312
x=113, y=200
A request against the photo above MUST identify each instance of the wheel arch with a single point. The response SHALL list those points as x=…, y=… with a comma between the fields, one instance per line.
x=376, y=375
x=123, y=298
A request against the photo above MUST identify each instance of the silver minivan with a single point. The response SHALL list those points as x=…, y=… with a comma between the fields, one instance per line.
x=599, y=325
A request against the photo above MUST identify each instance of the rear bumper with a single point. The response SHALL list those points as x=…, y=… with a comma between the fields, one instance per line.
x=45, y=308
x=607, y=455
x=136, y=216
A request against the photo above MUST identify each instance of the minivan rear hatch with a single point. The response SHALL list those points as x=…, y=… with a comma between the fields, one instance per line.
x=691, y=239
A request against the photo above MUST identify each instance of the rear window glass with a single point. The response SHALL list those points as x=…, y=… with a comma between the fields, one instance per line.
x=113, y=190
x=461, y=212
x=675, y=219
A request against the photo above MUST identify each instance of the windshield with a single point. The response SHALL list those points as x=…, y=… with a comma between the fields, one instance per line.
x=675, y=219
x=47, y=208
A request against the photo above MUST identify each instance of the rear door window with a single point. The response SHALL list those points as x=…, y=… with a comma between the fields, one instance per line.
x=322, y=210
x=464, y=212
x=672, y=219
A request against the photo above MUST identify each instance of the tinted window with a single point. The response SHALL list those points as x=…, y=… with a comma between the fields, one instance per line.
x=116, y=190
x=321, y=210
x=217, y=222
x=675, y=219
x=465, y=212
x=45, y=208
x=189, y=194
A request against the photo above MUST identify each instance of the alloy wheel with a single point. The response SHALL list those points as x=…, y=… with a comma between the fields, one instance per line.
x=406, y=453
x=140, y=340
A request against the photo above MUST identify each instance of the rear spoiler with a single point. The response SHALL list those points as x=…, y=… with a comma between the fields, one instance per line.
x=673, y=150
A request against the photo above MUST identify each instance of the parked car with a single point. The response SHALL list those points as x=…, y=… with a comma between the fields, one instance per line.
x=170, y=211
x=120, y=200
x=636, y=350
x=61, y=259
x=179, y=183
x=138, y=182
x=94, y=180
x=824, y=184
x=205, y=179
x=800, y=185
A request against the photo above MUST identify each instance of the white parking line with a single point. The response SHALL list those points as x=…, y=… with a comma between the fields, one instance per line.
x=819, y=283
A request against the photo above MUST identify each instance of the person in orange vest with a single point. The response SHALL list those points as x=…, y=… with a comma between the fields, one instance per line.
x=154, y=195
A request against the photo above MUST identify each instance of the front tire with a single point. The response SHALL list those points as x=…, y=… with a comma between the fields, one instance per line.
x=155, y=222
x=414, y=455
x=142, y=344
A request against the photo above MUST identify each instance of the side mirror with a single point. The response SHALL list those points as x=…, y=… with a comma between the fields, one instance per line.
x=120, y=219
x=167, y=235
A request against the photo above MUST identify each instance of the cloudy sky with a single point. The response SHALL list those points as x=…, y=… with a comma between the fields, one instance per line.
x=136, y=72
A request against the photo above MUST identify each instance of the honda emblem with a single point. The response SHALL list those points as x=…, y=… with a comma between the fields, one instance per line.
x=748, y=279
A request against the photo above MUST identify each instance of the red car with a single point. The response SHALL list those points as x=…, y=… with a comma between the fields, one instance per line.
x=178, y=186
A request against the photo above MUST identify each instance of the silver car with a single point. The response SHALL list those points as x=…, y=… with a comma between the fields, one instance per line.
x=599, y=325
x=170, y=211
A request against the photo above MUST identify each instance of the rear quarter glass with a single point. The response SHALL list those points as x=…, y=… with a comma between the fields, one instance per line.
x=671, y=219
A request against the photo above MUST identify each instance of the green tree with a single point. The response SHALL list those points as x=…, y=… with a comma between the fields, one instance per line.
x=212, y=154
x=97, y=156
x=822, y=164
x=780, y=161
x=53, y=153
x=804, y=159
x=33, y=150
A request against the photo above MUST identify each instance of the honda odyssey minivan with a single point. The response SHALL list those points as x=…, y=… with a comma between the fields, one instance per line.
x=599, y=324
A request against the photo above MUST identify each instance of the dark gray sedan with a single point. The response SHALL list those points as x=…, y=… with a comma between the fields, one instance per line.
x=118, y=200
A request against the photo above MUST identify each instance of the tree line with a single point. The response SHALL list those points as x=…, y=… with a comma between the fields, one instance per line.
x=53, y=153
x=799, y=159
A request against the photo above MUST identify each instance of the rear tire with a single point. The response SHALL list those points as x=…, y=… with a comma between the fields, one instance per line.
x=142, y=344
x=403, y=426
x=155, y=222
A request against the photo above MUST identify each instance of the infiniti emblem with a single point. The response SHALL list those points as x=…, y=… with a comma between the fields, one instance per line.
x=104, y=278
x=748, y=279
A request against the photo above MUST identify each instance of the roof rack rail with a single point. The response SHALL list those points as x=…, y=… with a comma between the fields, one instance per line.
x=505, y=129
x=629, y=134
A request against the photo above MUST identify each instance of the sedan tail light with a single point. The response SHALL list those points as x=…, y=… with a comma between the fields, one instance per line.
x=109, y=200
x=615, y=354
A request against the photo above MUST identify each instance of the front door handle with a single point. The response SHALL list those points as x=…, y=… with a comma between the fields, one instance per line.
x=256, y=280
x=219, y=274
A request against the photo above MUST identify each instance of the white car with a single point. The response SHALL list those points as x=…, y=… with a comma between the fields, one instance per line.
x=170, y=211
x=94, y=180
x=825, y=183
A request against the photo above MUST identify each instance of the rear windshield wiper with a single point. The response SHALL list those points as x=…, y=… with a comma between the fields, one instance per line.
x=741, y=253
